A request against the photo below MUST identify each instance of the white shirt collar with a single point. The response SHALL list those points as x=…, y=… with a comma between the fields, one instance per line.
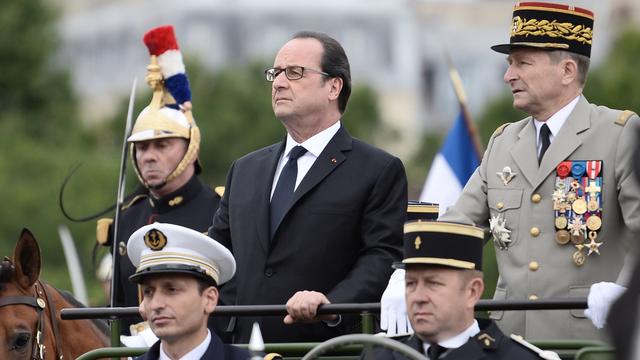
x=458, y=340
x=195, y=354
x=316, y=143
x=556, y=121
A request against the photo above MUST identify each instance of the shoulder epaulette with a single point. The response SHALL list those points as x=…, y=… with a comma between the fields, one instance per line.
x=219, y=190
x=102, y=231
x=134, y=200
x=500, y=129
x=624, y=116
x=543, y=354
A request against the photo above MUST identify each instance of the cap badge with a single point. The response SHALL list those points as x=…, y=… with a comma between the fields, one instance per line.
x=155, y=239
x=418, y=242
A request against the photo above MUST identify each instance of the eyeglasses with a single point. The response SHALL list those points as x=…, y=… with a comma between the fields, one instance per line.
x=291, y=72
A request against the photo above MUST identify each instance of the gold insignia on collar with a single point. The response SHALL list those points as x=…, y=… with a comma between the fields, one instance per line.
x=155, y=239
x=418, y=242
x=486, y=339
x=176, y=201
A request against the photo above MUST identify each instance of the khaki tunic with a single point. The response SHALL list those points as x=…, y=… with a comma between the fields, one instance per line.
x=535, y=265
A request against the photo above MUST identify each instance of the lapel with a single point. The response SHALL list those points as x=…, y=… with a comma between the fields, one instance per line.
x=330, y=158
x=215, y=350
x=264, y=182
x=524, y=151
x=566, y=142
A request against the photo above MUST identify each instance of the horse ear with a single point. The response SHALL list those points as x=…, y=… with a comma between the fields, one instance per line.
x=26, y=259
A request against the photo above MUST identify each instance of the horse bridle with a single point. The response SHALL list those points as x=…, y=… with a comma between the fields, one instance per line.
x=39, y=302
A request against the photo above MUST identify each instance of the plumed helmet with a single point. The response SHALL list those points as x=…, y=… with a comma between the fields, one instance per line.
x=169, y=113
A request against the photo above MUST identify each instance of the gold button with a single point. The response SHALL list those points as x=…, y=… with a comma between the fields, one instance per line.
x=500, y=205
x=535, y=231
x=536, y=198
x=533, y=266
x=533, y=297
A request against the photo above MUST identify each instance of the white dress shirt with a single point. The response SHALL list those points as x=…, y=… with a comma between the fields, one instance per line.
x=194, y=354
x=314, y=145
x=555, y=122
x=456, y=341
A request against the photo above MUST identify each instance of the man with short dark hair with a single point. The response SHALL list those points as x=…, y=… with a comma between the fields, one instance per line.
x=316, y=218
x=179, y=270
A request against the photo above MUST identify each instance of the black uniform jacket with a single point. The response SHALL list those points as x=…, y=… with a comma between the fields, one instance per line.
x=489, y=343
x=339, y=236
x=193, y=206
x=216, y=351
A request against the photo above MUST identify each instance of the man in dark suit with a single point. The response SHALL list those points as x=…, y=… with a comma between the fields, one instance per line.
x=443, y=283
x=316, y=218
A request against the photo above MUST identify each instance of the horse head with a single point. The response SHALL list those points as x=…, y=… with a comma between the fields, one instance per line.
x=30, y=324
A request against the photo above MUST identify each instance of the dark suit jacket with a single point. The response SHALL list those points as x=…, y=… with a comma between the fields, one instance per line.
x=489, y=343
x=339, y=237
x=216, y=351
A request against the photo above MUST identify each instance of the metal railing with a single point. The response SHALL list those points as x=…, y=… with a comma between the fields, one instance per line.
x=366, y=310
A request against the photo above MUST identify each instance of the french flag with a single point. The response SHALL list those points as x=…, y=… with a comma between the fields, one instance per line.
x=162, y=43
x=452, y=166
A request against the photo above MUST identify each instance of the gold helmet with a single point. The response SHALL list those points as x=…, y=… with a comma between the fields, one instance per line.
x=169, y=113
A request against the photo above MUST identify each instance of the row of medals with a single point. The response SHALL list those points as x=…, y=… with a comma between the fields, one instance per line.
x=578, y=214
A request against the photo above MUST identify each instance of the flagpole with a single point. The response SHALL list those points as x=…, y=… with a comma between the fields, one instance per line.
x=456, y=81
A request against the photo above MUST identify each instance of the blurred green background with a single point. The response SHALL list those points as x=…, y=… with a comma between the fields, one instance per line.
x=42, y=135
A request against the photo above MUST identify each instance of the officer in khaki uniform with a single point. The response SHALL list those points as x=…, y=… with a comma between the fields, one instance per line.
x=557, y=188
x=164, y=146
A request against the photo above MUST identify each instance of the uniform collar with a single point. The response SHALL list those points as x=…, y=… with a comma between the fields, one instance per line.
x=177, y=198
x=195, y=353
x=556, y=120
x=458, y=340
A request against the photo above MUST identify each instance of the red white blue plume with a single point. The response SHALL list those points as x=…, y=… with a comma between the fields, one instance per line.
x=161, y=42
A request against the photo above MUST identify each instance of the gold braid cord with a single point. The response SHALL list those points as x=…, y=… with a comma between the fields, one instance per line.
x=552, y=29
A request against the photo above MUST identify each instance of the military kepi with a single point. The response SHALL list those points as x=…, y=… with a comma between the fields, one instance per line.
x=550, y=26
x=418, y=210
x=161, y=248
x=442, y=243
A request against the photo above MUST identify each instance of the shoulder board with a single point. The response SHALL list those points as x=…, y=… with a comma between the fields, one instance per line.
x=134, y=200
x=102, y=231
x=624, y=116
x=500, y=129
x=219, y=190
x=543, y=354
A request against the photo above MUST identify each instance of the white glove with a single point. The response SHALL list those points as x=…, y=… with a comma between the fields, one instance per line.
x=144, y=338
x=601, y=296
x=393, y=309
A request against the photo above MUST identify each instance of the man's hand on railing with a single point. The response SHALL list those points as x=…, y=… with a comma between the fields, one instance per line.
x=303, y=307
x=393, y=309
x=601, y=296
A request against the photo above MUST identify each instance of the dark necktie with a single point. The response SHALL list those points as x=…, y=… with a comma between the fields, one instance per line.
x=283, y=193
x=546, y=141
x=435, y=351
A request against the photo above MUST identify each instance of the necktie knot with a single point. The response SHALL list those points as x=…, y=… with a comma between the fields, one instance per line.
x=296, y=152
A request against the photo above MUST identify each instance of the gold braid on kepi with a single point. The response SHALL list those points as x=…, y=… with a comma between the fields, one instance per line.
x=550, y=26
x=169, y=113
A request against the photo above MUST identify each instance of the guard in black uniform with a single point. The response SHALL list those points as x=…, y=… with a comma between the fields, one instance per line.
x=164, y=146
x=443, y=282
